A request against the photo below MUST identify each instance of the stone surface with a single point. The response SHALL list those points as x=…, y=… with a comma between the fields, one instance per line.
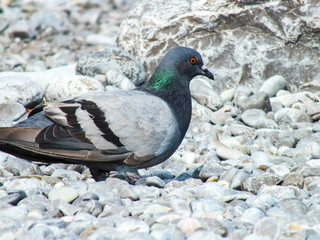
x=21, y=89
x=243, y=48
x=272, y=85
x=111, y=59
x=203, y=92
x=233, y=177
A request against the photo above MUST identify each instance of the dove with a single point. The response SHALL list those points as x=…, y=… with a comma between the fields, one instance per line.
x=114, y=130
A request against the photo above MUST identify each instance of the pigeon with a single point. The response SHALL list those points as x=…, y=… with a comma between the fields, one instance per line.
x=114, y=130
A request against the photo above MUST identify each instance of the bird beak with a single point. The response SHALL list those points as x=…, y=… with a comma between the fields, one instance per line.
x=207, y=73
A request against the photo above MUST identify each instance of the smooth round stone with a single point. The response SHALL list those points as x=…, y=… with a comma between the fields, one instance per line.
x=206, y=208
x=21, y=89
x=200, y=112
x=161, y=231
x=100, y=62
x=161, y=173
x=241, y=130
x=290, y=115
x=268, y=227
x=228, y=153
x=9, y=224
x=133, y=225
x=29, y=186
x=307, y=150
x=316, y=127
x=179, y=206
x=189, y=225
x=256, y=237
x=252, y=215
x=313, y=163
x=294, y=206
x=71, y=87
x=254, y=117
x=117, y=79
x=122, y=188
x=263, y=201
x=155, y=181
x=210, y=169
x=235, y=177
x=20, y=166
x=64, y=173
x=15, y=212
x=65, y=208
x=204, y=93
x=280, y=170
x=204, y=235
x=213, y=190
x=147, y=192
x=11, y=111
x=260, y=100
x=63, y=193
x=253, y=184
x=293, y=179
x=220, y=117
x=272, y=85
x=280, y=192
x=155, y=210
x=227, y=95
x=189, y=157
x=168, y=218
x=14, y=197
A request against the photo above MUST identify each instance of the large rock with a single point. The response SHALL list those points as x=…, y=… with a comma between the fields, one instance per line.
x=57, y=84
x=241, y=42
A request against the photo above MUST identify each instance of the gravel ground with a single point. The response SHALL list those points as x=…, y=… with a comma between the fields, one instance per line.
x=248, y=168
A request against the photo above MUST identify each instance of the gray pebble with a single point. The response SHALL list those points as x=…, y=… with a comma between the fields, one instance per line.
x=293, y=179
x=227, y=95
x=102, y=61
x=155, y=181
x=272, y=85
x=206, y=207
x=204, y=235
x=294, y=206
x=228, y=153
x=252, y=215
x=122, y=188
x=254, y=117
x=161, y=173
x=21, y=89
x=10, y=112
x=160, y=231
x=210, y=169
x=259, y=100
x=235, y=177
x=204, y=93
x=67, y=194
x=64, y=173
x=290, y=115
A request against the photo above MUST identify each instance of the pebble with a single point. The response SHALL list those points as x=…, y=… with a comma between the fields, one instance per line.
x=63, y=193
x=155, y=181
x=272, y=85
x=254, y=118
x=203, y=92
x=248, y=167
x=20, y=89
x=259, y=100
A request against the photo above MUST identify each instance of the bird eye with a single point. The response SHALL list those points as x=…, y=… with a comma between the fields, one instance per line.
x=193, y=60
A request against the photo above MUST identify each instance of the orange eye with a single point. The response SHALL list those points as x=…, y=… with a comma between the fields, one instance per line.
x=193, y=60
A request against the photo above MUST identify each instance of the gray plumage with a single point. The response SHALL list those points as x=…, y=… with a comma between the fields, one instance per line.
x=111, y=130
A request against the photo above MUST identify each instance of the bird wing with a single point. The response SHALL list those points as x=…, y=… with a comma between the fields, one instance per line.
x=133, y=126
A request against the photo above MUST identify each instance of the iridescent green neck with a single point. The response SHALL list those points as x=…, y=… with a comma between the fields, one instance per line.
x=161, y=80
